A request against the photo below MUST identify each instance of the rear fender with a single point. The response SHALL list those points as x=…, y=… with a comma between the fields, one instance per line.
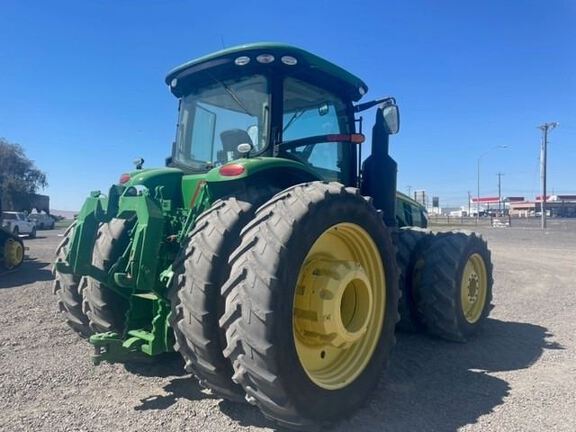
x=279, y=173
x=96, y=209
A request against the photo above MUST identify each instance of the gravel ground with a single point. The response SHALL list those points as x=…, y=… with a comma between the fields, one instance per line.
x=518, y=374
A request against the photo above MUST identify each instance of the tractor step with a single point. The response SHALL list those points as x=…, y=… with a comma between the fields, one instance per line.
x=112, y=348
x=137, y=343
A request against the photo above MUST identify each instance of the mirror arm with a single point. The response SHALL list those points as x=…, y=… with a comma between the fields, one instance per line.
x=367, y=105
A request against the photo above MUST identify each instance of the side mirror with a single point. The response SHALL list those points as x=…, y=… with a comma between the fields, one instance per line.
x=253, y=134
x=391, y=116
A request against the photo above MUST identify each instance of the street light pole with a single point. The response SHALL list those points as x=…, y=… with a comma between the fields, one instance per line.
x=545, y=127
x=500, y=174
x=478, y=179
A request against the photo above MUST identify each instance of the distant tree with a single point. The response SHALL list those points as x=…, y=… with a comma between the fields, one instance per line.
x=19, y=175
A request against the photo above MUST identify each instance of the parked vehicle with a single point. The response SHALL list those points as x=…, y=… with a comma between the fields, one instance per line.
x=42, y=220
x=11, y=251
x=18, y=223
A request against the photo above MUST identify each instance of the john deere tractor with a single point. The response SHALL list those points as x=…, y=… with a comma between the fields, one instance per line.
x=266, y=252
x=11, y=251
x=11, y=248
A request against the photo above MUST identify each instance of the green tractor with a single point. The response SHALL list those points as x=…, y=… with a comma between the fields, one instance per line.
x=266, y=252
x=11, y=248
x=11, y=251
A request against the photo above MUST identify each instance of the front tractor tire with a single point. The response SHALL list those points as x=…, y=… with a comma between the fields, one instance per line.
x=200, y=270
x=106, y=309
x=68, y=290
x=311, y=304
x=410, y=243
x=455, y=286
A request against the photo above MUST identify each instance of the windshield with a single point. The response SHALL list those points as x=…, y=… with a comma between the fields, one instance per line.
x=216, y=118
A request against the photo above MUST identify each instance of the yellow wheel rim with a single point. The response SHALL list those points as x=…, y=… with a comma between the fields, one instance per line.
x=473, y=288
x=13, y=253
x=338, y=307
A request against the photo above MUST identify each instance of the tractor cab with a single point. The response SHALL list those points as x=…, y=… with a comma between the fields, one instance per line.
x=269, y=100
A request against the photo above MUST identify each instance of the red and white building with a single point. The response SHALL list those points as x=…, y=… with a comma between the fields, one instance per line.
x=556, y=205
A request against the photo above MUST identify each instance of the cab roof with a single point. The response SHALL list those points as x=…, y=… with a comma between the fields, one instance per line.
x=313, y=64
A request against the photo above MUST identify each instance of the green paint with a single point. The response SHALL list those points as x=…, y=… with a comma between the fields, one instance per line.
x=113, y=348
x=191, y=188
x=253, y=166
x=410, y=212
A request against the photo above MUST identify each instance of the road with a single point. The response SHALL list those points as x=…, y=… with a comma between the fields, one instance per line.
x=518, y=374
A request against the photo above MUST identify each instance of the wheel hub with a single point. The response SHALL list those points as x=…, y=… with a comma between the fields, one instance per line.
x=14, y=253
x=473, y=288
x=338, y=307
x=333, y=305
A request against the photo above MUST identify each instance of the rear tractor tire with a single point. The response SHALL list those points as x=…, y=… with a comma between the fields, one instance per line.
x=106, y=309
x=67, y=289
x=200, y=271
x=456, y=285
x=311, y=304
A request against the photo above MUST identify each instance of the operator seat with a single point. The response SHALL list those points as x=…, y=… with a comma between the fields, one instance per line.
x=231, y=139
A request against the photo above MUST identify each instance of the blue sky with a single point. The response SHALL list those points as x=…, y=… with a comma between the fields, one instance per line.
x=81, y=82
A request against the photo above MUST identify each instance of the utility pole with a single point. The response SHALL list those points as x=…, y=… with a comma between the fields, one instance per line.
x=544, y=150
x=500, y=192
x=409, y=190
x=469, y=203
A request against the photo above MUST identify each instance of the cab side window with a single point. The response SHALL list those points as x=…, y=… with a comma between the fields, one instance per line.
x=408, y=214
x=310, y=111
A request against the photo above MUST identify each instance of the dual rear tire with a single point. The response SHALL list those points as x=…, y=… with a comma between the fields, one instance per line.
x=446, y=282
x=311, y=304
x=308, y=321
x=249, y=283
x=455, y=292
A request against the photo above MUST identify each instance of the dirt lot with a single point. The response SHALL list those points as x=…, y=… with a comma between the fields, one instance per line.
x=518, y=374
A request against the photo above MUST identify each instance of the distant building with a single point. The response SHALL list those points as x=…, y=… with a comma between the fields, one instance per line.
x=485, y=205
x=421, y=197
x=556, y=205
x=26, y=202
x=458, y=212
